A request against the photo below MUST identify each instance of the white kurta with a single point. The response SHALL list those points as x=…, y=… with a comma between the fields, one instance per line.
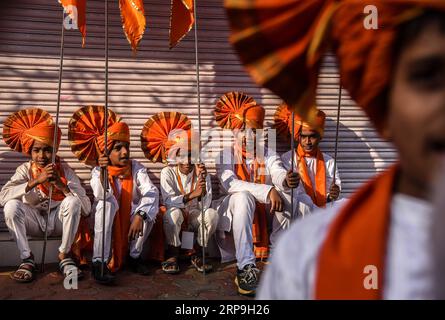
x=408, y=268
x=174, y=202
x=22, y=209
x=302, y=200
x=237, y=205
x=145, y=198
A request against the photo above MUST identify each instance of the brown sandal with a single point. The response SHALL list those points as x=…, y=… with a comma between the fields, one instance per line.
x=170, y=266
x=25, y=272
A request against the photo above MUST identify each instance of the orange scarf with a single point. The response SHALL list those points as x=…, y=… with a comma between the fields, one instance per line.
x=121, y=224
x=260, y=230
x=56, y=195
x=318, y=194
x=357, y=238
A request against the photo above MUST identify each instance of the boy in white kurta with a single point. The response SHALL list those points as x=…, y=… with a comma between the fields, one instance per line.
x=182, y=187
x=25, y=197
x=132, y=203
x=249, y=182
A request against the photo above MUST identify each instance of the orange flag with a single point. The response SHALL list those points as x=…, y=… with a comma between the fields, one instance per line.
x=133, y=21
x=76, y=17
x=181, y=20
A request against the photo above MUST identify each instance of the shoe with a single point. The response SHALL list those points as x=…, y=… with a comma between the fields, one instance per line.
x=107, y=278
x=138, y=266
x=197, y=263
x=247, y=280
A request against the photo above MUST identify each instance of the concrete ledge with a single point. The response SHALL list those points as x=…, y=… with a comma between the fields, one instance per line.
x=9, y=254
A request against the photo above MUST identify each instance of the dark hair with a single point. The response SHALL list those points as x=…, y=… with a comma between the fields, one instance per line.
x=409, y=31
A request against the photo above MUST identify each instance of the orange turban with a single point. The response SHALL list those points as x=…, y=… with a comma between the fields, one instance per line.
x=282, y=43
x=86, y=132
x=164, y=134
x=234, y=109
x=283, y=122
x=23, y=127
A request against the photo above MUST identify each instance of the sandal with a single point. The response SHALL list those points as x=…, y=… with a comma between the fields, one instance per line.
x=199, y=266
x=170, y=266
x=67, y=266
x=107, y=278
x=27, y=269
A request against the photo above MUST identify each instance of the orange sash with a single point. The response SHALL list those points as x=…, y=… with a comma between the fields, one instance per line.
x=357, y=238
x=121, y=224
x=318, y=194
x=260, y=230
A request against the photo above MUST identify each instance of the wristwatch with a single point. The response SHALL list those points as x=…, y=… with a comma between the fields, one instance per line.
x=142, y=214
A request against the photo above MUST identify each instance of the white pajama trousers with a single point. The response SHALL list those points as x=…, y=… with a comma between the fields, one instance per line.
x=135, y=246
x=173, y=219
x=22, y=220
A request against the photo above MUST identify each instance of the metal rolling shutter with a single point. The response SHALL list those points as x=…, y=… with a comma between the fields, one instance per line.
x=156, y=79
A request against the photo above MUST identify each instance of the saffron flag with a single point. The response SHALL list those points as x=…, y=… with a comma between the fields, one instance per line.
x=181, y=20
x=133, y=21
x=76, y=16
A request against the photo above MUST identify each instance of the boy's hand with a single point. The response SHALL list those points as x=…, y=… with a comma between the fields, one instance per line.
x=276, y=203
x=292, y=179
x=103, y=161
x=136, y=228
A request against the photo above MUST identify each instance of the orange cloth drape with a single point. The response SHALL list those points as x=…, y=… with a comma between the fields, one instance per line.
x=260, y=230
x=121, y=224
x=76, y=9
x=181, y=20
x=317, y=194
x=357, y=238
x=133, y=21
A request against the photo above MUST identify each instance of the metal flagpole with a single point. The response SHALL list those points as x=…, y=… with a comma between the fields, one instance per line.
x=198, y=97
x=336, y=131
x=105, y=170
x=55, y=136
x=292, y=147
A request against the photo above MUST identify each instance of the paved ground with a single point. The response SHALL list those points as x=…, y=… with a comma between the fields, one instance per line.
x=189, y=284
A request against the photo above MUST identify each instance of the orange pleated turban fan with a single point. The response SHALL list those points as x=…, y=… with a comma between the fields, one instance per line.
x=235, y=109
x=282, y=43
x=164, y=134
x=23, y=127
x=86, y=132
x=283, y=122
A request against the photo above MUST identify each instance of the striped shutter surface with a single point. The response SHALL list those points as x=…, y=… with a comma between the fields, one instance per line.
x=156, y=79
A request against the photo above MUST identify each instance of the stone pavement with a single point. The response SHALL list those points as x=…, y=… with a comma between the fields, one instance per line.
x=188, y=285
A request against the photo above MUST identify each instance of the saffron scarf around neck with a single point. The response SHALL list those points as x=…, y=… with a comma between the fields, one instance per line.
x=121, y=223
x=356, y=239
x=317, y=193
x=56, y=195
x=260, y=230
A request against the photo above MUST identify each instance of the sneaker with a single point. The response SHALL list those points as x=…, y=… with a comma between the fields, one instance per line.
x=138, y=266
x=107, y=278
x=247, y=280
x=197, y=263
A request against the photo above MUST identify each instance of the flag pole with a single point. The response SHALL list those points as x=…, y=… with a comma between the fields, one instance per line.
x=198, y=98
x=105, y=170
x=55, y=136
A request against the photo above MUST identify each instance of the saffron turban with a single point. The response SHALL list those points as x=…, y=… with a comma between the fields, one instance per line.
x=283, y=122
x=234, y=110
x=164, y=134
x=86, y=132
x=23, y=127
x=282, y=43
